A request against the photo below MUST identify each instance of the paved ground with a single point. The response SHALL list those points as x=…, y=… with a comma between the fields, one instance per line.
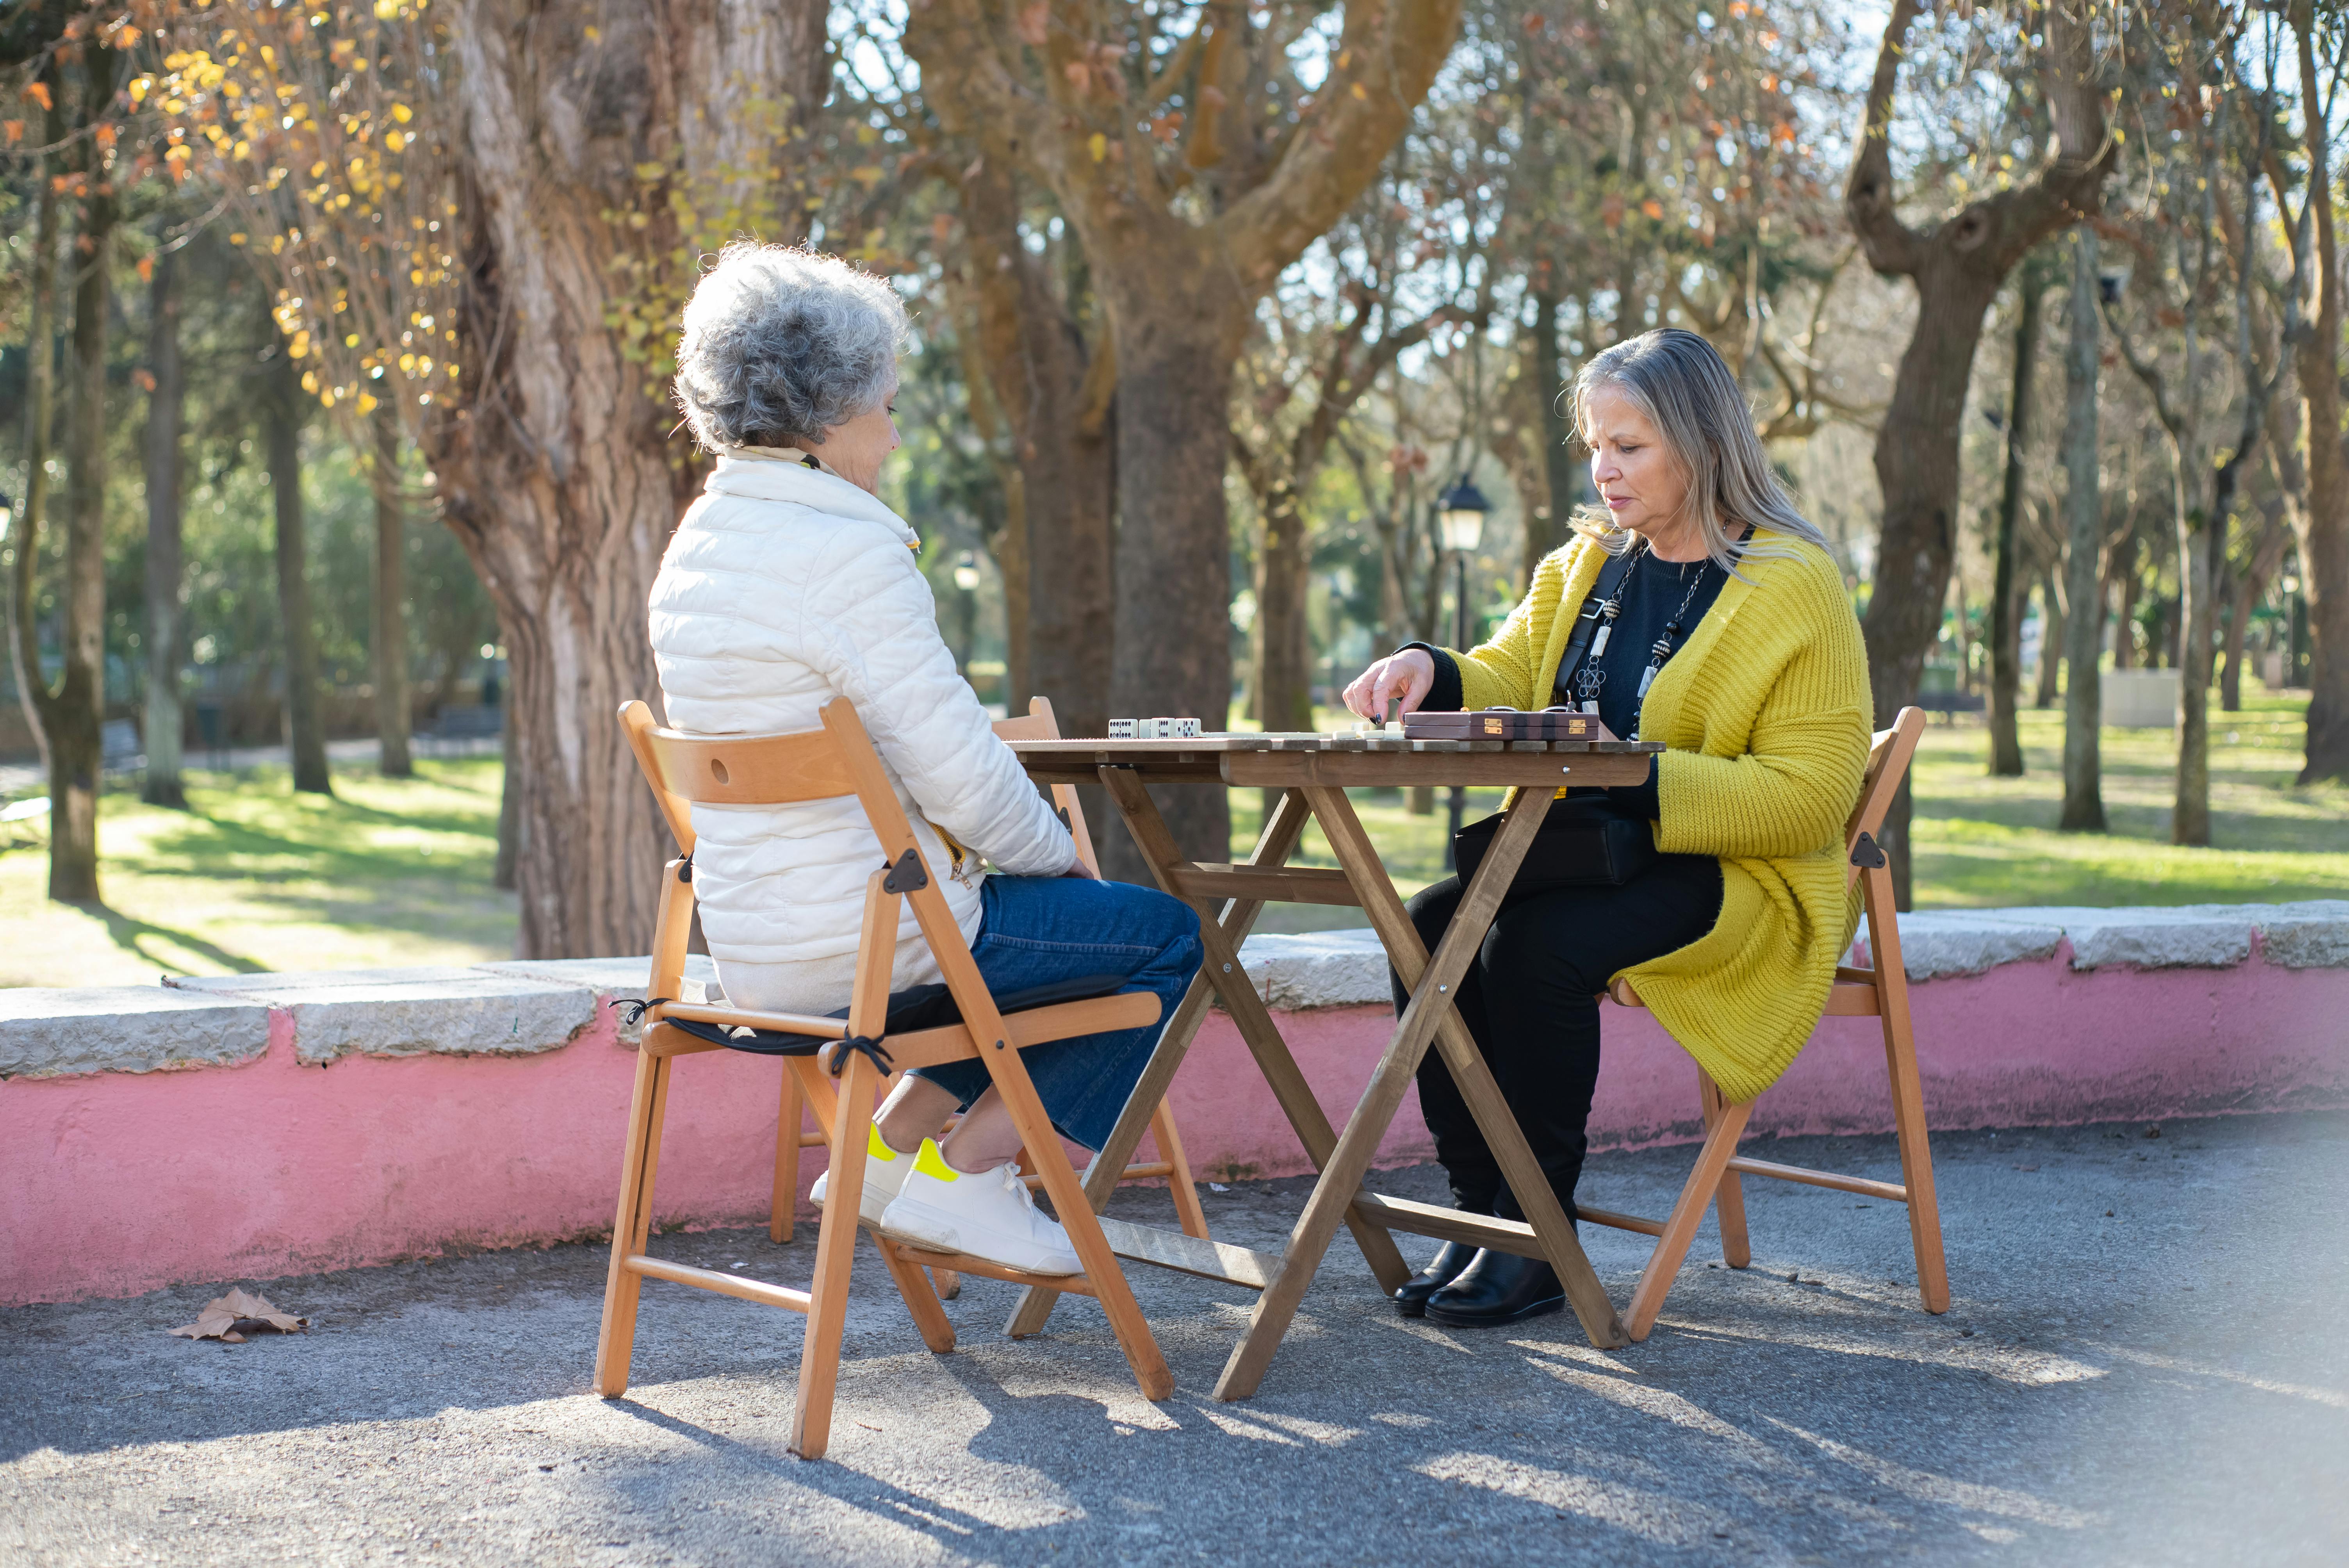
x=2145, y=1364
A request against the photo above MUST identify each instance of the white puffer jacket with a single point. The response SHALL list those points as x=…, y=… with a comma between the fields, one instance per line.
x=784, y=587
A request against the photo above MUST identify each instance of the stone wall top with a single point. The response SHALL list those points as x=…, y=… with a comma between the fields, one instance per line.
x=50, y=1031
x=523, y=1008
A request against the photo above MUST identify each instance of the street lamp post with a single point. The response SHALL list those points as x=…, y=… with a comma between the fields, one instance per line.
x=1460, y=525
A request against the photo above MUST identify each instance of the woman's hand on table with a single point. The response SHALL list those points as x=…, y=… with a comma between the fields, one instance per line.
x=1406, y=676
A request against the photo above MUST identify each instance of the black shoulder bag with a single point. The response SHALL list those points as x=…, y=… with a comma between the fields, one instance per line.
x=1588, y=840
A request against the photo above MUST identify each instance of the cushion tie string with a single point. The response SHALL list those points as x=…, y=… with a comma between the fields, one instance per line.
x=869, y=1046
x=632, y=1015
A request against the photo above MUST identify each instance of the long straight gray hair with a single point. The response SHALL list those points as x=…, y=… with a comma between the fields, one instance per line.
x=1678, y=380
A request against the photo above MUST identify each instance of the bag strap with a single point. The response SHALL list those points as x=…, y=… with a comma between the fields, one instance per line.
x=1586, y=626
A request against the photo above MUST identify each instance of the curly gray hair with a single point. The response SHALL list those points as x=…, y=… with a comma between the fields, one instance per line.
x=779, y=343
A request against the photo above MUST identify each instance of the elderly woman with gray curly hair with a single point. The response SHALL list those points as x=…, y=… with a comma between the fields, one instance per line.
x=789, y=583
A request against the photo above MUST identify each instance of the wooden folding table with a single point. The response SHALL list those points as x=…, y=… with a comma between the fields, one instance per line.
x=1313, y=773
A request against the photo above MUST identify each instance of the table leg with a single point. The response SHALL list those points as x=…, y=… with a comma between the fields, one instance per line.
x=1499, y=1125
x=1433, y=981
x=1274, y=845
x=1220, y=962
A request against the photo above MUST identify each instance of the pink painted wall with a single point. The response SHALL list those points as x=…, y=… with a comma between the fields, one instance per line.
x=2024, y=1045
x=119, y=1182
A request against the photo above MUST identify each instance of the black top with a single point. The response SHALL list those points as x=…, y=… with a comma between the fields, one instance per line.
x=1653, y=595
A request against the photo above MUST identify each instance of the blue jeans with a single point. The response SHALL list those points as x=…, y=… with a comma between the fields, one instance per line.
x=1034, y=931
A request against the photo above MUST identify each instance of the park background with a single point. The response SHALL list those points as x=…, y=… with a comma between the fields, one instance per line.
x=337, y=459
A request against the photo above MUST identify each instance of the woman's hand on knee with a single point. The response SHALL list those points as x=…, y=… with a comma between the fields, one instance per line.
x=1406, y=677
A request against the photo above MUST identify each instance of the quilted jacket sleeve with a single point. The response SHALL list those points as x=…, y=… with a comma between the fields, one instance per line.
x=871, y=627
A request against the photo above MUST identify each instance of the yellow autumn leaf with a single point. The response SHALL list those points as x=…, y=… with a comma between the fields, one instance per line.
x=1098, y=146
x=366, y=403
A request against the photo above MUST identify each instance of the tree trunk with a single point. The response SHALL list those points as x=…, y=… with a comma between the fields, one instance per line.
x=1545, y=534
x=2006, y=629
x=2231, y=671
x=1957, y=267
x=390, y=633
x=1284, y=681
x=1917, y=469
x=166, y=415
x=2051, y=642
x=281, y=414
x=2084, y=595
x=557, y=475
x=2189, y=822
x=1178, y=334
x=507, y=874
x=1055, y=397
x=73, y=722
x=2324, y=522
x=2248, y=586
x=40, y=399
x=2129, y=585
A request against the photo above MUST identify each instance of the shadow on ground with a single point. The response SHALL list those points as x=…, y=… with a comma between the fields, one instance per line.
x=2143, y=1364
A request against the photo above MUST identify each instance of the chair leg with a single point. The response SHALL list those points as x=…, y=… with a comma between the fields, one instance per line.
x=1679, y=1229
x=835, y=1248
x=616, y=1342
x=914, y=1283
x=780, y=1214
x=1730, y=1196
x=1188, y=1211
x=1916, y=1158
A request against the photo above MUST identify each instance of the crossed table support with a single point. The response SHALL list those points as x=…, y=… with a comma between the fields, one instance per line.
x=1313, y=774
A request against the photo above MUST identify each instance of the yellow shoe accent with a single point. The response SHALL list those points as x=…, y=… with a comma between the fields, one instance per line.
x=875, y=1146
x=930, y=1162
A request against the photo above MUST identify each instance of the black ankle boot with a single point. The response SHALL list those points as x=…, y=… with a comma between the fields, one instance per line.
x=1450, y=1261
x=1496, y=1289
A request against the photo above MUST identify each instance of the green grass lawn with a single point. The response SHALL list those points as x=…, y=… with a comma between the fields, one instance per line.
x=254, y=877
x=390, y=872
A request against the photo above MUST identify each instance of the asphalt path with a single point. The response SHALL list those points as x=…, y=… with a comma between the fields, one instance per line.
x=2145, y=1363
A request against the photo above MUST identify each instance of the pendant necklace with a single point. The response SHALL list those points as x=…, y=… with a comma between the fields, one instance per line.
x=1589, y=679
x=1663, y=648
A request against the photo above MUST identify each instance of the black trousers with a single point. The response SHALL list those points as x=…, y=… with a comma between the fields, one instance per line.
x=1530, y=999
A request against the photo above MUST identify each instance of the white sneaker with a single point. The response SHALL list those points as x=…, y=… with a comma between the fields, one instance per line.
x=884, y=1174
x=988, y=1215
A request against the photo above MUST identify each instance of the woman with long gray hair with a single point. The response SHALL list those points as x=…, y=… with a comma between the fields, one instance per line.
x=1697, y=607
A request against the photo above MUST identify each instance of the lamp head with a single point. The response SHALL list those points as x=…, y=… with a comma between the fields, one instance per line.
x=1460, y=516
x=966, y=572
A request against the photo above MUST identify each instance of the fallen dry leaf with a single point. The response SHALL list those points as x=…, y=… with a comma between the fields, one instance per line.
x=233, y=1317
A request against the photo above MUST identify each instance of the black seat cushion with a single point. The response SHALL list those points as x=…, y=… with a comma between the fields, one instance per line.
x=910, y=1011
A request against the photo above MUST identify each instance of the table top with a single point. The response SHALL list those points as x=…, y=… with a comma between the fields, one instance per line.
x=1138, y=752
x=1278, y=759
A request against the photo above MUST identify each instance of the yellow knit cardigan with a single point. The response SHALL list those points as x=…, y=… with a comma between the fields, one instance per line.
x=1766, y=711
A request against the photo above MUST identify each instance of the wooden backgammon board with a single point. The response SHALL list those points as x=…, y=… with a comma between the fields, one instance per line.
x=1506, y=724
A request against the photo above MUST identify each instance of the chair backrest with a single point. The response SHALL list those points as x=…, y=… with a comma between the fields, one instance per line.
x=1889, y=754
x=733, y=769
x=1039, y=723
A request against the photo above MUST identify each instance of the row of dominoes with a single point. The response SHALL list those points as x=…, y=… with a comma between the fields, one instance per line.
x=1154, y=729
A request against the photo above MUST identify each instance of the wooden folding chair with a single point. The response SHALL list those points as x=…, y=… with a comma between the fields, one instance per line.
x=817, y=765
x=1879, y=991
x=1038, y=723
